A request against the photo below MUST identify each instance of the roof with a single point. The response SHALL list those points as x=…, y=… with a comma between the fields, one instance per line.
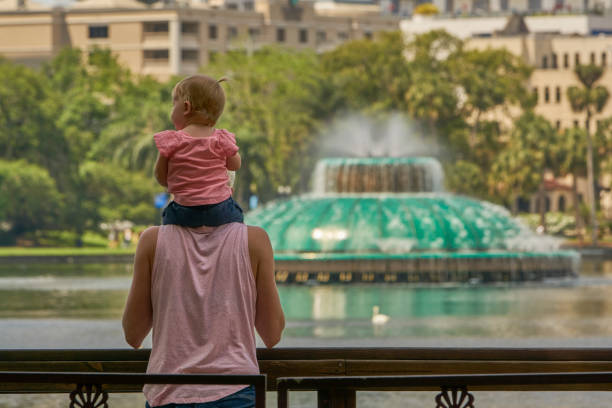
x=514, y=26
x=107, y=4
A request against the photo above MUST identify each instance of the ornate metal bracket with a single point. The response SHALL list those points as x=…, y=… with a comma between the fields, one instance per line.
x=454, y=397
x=88, y=396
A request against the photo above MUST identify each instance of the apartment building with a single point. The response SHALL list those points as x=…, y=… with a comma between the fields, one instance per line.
x=177, y=37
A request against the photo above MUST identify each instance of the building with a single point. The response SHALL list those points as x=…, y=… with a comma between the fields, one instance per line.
x=164, y=39
x=553, y=46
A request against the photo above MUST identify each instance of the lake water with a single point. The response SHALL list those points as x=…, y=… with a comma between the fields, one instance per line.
x=80, y=306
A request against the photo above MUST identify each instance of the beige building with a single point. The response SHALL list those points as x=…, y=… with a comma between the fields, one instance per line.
x=554, y=53
x=178, y=37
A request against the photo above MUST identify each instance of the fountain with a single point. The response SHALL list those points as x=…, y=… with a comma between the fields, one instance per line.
x=389, y=220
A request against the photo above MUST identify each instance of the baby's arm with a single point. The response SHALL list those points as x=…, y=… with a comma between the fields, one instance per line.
x=161, y=170
x=232, y=163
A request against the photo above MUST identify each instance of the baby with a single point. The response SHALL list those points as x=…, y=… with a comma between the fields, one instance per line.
x=194, y=159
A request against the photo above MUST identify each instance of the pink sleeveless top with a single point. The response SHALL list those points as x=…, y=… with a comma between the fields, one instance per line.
x=203, y=295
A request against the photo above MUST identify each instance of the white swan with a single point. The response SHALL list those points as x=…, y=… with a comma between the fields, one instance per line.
x=378, y=318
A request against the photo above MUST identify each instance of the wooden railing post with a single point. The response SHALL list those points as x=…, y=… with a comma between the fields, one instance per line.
x=336, y=398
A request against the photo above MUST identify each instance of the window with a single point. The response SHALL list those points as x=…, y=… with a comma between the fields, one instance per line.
x=576, y=59
x=566, y=60
x=321, y=37
x=157, y=55
x=232, y=6
x=603, y=59
x=156, y=27
x=280, y=34
x=212, y=55
x=232, y=32
x=253, y=32
x=189, y=55
x=558, y=94
x=546, y=94
x=368, y=35
x=190, y=28
x=587, y=125
x=561, y=203
x=545, y=61
x=558, y=125
x=212, y=32
x=249, y=6
x=343, y=36
x=553, y=61
x=535, y=93
x=98, y=31
x=575, y=123
x=303, y=35
x=592, y=58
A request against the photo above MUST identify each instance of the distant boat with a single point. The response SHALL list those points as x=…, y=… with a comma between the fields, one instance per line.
x=378, y=318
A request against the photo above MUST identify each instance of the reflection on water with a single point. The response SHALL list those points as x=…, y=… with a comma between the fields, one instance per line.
x=553, y=310
x=79, y=306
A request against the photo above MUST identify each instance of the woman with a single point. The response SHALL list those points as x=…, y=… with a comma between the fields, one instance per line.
x=203, y=291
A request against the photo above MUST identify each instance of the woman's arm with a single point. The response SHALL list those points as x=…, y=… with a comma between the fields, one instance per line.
x=161, y=170
x=138, y=313
x=233, y=163
x=269, y=316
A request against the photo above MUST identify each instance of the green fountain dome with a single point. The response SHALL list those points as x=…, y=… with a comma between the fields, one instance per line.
x=389, y=217
x=386, y=223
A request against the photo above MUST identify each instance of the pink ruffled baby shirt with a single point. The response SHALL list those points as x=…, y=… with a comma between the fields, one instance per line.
x=197, y=172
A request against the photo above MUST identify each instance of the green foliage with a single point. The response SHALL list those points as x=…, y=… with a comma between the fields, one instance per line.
x=519, y=167
x=557, y=223
x=275, y=98
x=368, y=76
x=77, y=134
x=464, y=177
x=29, y=199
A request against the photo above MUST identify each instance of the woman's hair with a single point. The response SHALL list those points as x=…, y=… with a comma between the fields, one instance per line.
x=205, y=95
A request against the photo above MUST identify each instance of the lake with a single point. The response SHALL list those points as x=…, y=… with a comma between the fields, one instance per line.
x=80, y=306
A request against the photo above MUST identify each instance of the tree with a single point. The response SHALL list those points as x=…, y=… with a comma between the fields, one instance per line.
x=433, y=95
x=86, y=94
x=369, y=76
x=29, y=199
x=572, y=153
x=141, y=109
x=27, y=128
x=275, y=101
x=520, y=167
x=590, y=99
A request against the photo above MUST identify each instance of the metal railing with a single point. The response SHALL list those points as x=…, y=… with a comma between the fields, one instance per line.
x=339, y=392
x=329, y=364
x=91, y=389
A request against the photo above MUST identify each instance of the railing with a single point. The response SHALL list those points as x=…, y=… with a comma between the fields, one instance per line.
x=90, y=390
x=373, y=364
x=339, y=392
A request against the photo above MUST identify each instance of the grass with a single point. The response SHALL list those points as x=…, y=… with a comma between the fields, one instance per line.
x=63, y=251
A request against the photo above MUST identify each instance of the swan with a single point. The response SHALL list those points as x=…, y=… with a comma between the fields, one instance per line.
x=378, y=318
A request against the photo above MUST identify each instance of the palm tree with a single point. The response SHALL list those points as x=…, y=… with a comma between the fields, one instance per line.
x=572, y=160
x=590, y=99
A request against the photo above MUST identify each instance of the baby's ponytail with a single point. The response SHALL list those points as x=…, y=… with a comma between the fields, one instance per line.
x=222, y=79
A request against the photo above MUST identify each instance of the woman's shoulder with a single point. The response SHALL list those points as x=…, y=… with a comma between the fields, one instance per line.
x=259, y=242
x=148, y=238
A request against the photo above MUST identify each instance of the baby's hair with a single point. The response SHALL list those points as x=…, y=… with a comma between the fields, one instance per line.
x=205, y=94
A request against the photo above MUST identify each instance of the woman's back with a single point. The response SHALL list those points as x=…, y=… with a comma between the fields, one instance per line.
x=202, y=290
x=203, y=296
